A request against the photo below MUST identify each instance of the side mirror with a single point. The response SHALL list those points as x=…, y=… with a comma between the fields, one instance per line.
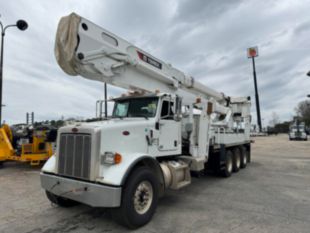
x=166, y=110
x=178, y=109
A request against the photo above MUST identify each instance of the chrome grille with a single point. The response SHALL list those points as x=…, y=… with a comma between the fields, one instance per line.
x=74, y=155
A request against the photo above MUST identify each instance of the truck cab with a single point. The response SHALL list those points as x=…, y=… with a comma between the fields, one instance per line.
x=163, y=130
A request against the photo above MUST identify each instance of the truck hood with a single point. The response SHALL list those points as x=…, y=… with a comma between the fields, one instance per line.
x=125, y=135
x=118, y=135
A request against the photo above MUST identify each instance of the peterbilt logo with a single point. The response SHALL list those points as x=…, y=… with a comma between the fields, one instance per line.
x=149, y=60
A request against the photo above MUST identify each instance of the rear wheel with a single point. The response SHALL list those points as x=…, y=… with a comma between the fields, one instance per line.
x=61, y=201
x=139, y=199
x=236, y=160
x=227, y=170
x=244, y=157
x=248, y=154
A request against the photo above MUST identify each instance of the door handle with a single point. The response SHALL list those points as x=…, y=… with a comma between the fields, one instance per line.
x=158, y=125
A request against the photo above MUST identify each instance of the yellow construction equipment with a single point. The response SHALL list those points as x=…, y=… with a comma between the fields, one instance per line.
x=26, y=144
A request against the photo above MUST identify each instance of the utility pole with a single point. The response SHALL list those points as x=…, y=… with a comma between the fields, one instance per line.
x=309, y=76
x=252, y=53
x=30, y=118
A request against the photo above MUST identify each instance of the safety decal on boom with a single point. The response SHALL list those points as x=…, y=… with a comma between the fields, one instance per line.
x=149, y=60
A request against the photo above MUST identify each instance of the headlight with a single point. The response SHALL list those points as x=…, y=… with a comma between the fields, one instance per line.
x=111, y=158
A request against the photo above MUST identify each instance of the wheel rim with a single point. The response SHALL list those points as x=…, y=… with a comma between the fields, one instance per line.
x=143, y=197
x=237, y=161
x=245, y=159
x=229, y=165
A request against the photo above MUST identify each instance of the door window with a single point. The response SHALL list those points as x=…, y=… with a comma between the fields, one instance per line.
x=167, y=110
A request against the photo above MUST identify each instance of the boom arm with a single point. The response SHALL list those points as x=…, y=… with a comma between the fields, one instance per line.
x=84, y=48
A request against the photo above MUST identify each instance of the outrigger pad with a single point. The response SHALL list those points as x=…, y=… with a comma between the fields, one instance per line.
x=66, y=42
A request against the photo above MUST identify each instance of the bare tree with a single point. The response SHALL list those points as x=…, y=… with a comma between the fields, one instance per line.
x=303, y=111
x=274, y=119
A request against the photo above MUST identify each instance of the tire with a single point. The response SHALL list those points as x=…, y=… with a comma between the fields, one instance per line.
x=236, y=159
x=60, y=201
x=139, y=199
x=244, y=157
x=227, y=171
x=248, y=153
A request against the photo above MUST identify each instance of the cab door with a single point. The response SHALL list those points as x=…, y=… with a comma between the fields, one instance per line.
x=169, y=129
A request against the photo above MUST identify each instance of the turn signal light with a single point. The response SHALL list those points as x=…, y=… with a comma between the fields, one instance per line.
x=117, y=158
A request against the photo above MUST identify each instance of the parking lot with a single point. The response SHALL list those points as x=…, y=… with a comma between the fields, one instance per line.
x=271, y=195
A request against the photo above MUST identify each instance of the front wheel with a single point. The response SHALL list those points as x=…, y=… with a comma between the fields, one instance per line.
x=139, y=199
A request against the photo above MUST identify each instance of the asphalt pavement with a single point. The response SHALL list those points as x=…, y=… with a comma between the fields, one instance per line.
x=271, y=195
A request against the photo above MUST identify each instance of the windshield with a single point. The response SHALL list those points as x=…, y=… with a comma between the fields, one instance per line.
x=298, y=127
x=137, y=107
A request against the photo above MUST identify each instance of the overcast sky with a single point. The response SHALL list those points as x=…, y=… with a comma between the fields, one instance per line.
x=206, y=39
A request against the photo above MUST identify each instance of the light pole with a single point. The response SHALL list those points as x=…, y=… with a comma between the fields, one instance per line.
x=21, y=25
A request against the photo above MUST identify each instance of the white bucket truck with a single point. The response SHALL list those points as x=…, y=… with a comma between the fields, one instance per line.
x=166, y=128
x=298, y=131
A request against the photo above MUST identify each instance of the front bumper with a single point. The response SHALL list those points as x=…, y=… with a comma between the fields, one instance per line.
x=298, y=137
x=95, y=195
